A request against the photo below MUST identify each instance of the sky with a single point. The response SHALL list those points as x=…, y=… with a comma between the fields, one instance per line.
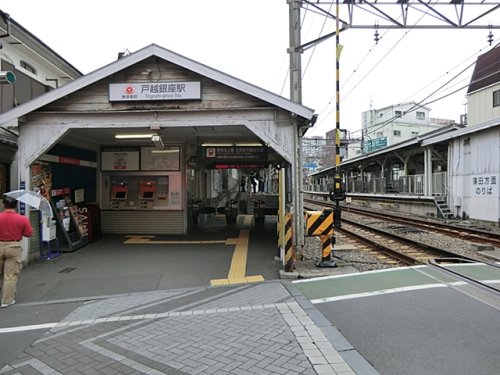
x=249, y=40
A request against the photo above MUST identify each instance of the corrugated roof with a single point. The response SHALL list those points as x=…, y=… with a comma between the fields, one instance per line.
x=461, y=132
x=447, y=131
x=146, y=52
x=487, y=70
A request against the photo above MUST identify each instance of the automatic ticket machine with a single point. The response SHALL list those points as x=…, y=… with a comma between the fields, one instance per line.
x=119, y=193
x=147, y=192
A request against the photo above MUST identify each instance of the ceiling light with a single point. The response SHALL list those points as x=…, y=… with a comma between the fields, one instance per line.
x=210, y=144
x=237, y=144
x=255, y=144
x=165, y=151
x=134, y=136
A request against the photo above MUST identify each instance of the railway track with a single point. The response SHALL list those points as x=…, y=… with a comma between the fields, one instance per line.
x=406, y=251
x=455, y=231
x=387, y=247
x=469, y=234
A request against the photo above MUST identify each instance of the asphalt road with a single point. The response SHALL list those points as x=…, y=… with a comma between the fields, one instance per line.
x=417, y=328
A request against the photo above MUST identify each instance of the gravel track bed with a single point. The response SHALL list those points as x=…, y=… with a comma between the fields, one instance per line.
x=362, y=261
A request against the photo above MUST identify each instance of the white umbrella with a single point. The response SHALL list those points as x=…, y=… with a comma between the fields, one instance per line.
x=33, y=199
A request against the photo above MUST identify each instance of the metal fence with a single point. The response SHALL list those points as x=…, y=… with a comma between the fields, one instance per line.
x=410, y=185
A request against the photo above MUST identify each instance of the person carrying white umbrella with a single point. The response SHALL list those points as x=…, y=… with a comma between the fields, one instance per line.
x=13, y=227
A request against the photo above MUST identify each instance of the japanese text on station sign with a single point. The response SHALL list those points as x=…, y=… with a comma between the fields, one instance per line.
x=484, y=185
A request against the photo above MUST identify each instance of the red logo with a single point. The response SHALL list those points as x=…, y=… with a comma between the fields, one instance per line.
x=129, y=90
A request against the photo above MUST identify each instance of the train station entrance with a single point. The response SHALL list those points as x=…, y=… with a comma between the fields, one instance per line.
x=149, y=139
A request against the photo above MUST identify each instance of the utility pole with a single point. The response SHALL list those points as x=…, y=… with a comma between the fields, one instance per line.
x=295, y=51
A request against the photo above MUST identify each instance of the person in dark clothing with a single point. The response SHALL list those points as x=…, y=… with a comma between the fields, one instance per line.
x=243, y=184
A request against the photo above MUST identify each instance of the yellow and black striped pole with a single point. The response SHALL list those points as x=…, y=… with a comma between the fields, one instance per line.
x=320, y=223
x=337, y=210
x=289, y=249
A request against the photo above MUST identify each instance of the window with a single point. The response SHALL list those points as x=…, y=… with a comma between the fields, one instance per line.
x=28, y=67
x=420, y=115
x=398, y=113
x=381, y=115
x=496, y=98
x=397, y=133
x=414, y=134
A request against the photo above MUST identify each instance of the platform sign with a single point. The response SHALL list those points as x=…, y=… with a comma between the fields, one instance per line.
x=484, y=185
x=233, y=153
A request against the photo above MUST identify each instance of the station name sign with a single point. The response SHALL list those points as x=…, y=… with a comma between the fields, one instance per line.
x=148, y=91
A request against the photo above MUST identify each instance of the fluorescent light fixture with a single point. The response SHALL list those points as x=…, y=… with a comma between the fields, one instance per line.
x=134, y=136
x=165, y=151
x=208, y=144
x=254, y=144
x=239, y=144
x=157, y=141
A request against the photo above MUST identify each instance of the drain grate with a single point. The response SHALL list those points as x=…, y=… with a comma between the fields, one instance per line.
x=67, y=270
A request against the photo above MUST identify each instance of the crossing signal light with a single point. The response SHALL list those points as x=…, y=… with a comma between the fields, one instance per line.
x=338, y=191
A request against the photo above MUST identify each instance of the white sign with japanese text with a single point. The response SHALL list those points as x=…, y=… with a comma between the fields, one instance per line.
x=484, y=185
x=154, y=91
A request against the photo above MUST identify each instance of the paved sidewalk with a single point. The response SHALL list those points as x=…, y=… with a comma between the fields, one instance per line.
x=263, y=328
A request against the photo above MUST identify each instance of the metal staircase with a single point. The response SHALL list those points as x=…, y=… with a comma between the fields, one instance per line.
x=442, y=205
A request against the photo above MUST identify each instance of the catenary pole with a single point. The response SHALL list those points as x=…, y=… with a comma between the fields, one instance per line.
x=295, y=51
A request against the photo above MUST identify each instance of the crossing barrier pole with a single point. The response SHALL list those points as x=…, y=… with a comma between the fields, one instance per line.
x=281, y=212
x=289, y=249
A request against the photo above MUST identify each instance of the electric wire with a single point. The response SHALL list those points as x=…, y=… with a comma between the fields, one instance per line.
x=372, y=69
x=314, y=48
x=423, y=102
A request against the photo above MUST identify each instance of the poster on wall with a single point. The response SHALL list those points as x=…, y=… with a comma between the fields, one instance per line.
x=120, y=160
x=41, y=178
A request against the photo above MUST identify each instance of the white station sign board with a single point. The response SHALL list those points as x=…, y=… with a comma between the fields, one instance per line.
x=154, y=91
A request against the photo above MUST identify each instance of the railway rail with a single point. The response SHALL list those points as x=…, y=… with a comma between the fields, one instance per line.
x=443, y=265
x=469, y=234
x=390, y=248
x=407, y=251
x=481, y=236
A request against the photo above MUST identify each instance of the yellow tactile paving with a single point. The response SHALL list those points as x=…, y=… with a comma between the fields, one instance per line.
x=247, y=221
x=148, y=239
x=237, y=270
